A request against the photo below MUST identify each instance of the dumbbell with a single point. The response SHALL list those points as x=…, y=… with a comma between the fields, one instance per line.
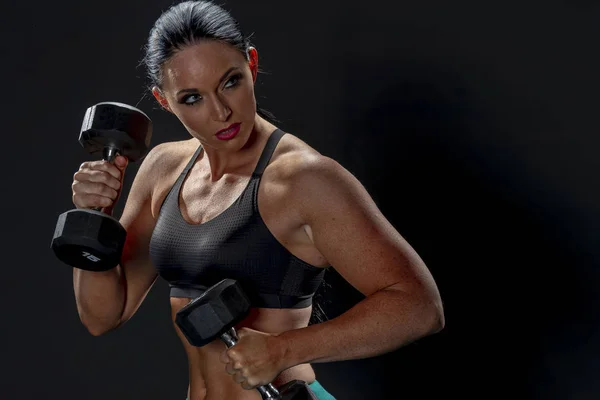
x=90, y=239
x=214, y=314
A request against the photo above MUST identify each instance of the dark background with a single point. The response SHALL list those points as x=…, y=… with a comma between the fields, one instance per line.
x=474, y=126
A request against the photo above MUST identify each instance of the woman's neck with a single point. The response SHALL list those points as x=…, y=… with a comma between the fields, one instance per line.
x=227, y=162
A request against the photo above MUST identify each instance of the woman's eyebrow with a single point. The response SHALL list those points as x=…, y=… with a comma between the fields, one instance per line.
x=220, y=80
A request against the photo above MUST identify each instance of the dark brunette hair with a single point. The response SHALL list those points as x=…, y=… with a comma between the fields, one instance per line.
x=187, y=23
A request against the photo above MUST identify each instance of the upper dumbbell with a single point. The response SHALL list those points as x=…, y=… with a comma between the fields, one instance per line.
x=90, y=239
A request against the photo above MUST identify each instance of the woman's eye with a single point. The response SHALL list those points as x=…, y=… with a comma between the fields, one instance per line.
x=233, y=81
x=191, y=99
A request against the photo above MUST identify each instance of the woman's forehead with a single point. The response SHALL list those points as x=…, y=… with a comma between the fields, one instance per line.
x=201, y=63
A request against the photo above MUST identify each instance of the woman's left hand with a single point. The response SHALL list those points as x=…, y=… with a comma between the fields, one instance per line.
x=256, y=359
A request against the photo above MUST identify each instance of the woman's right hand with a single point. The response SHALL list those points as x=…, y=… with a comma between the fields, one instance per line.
x=97, y=184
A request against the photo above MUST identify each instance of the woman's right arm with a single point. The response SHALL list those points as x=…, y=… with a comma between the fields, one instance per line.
x=106, y=300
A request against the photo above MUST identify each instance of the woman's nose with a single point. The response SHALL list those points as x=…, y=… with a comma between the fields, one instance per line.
x=219, y=110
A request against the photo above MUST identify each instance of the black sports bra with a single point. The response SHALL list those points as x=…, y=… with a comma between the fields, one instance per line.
x=236, y=244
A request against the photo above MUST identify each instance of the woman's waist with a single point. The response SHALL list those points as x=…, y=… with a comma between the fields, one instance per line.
x=206, y=360
x=207, y=371
x=209, y=380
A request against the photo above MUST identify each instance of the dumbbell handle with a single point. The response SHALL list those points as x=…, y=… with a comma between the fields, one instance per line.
x=267, y=391
x=108, y=154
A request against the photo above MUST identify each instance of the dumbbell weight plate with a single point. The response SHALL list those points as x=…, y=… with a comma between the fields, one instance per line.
x=88, y=239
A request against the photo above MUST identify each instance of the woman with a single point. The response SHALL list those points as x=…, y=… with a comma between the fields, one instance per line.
x=243, y=200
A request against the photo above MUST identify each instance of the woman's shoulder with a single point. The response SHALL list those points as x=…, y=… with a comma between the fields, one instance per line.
x=295, y=157
x=168, y=153
x=165, y=160
x=291, y=153
x=166, y=157
x=294, y=160
x=161, y=166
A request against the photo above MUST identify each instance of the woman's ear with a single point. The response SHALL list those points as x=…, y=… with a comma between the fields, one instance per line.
x=253, y=62
x=162, y=100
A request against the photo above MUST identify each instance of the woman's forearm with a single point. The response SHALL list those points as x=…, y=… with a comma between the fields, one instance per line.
x=380, y=323
x=100, y=297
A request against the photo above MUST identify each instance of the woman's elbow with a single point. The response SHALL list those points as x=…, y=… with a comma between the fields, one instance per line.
x=98, y=329
x=437, y=318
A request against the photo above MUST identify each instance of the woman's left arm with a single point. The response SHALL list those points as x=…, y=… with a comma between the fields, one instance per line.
x=402, y=301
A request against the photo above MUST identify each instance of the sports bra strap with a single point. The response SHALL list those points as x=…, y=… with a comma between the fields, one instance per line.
x=268, y=152
x=191, y=162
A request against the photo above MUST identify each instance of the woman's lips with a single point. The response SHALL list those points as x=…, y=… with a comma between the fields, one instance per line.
x=229, y=132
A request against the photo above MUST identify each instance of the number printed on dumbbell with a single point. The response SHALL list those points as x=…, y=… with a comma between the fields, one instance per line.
x=90, y=256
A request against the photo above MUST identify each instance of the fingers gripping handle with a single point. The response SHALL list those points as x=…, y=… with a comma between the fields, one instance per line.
x=108, y=154
x=267, y=391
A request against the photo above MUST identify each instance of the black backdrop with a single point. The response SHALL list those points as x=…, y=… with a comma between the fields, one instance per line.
x=472, y=124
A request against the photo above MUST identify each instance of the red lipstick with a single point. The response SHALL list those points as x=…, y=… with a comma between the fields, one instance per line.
x=228, y=133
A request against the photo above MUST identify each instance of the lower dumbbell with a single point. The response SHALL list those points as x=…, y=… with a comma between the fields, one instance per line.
x=214, y=314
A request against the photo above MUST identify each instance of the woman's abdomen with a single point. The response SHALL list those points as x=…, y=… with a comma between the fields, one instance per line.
x=207, y=375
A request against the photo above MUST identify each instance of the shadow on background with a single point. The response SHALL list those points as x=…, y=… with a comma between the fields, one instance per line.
x=504, y=269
